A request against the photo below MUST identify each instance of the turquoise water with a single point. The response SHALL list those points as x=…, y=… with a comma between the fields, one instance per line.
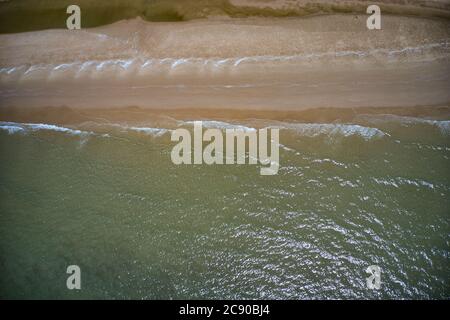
x=106, y=197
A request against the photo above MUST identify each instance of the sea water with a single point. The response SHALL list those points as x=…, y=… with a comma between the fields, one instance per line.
x=373, y=190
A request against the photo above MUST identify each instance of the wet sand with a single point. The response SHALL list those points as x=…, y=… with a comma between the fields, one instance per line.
x=254, y=64
x=65, y=116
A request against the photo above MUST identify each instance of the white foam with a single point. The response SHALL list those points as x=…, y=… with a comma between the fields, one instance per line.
x=442, y=125
x=154, y=131
x=150, y=131
x=11, y=128
x=51, y=127
x=332, y=129
x=220, y=125
x=14, y=127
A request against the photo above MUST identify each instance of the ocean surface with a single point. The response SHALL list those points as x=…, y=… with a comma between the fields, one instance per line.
x=372, y=189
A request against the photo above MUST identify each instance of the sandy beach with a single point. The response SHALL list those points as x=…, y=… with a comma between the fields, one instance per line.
x=252, y=63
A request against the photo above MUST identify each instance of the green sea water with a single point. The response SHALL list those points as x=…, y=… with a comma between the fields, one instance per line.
x=106, y=197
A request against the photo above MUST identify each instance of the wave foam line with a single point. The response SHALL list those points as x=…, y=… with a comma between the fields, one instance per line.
x=150, y=131
x=14, y=127
x=214, y=124
x=330, y=129
x=141, y=65
x=442, y=125
x=153, y=131
x=305, y=129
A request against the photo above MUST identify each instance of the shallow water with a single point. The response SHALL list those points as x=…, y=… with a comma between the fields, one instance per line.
x=105, y=196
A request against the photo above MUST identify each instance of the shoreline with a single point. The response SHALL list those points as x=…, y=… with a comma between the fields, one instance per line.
x=135, y=115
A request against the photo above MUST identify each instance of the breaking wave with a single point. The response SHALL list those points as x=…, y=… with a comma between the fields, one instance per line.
x=14, y=127
x=213, y=124
x=366, y=127
x=442, y=125
x=150, y=131
x=332, y=129
x=123, y=128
